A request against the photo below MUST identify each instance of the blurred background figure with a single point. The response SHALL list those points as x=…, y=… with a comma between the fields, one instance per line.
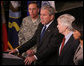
x=78, y=34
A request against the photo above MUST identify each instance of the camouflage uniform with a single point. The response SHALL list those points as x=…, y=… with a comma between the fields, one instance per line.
x=27, y=30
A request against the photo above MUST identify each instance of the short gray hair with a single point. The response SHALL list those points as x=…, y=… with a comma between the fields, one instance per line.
x=66, y=20
x=49, y=8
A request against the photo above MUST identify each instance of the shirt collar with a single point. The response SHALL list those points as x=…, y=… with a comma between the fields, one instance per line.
x=68, y=36
x=49, y=24
x=35, y=20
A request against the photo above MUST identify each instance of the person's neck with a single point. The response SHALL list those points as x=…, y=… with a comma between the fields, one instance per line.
x=66, y=32
x=34, y=18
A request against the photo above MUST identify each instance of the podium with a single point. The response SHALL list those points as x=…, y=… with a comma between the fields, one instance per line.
x=9, y=59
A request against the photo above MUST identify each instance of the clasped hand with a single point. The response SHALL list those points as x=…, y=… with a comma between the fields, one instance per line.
x=30, y=58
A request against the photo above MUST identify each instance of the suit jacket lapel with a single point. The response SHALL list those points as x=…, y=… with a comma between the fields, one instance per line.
x=67, y=45
x=46, y=34
x=40, y=28
x=78, y=51
x=48, y=31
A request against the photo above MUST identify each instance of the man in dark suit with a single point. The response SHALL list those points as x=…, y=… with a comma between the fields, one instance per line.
x=47, y=39
x=68, y=46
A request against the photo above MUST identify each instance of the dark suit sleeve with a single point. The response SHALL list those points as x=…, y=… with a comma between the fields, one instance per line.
x=29, y=43
x=51, y=48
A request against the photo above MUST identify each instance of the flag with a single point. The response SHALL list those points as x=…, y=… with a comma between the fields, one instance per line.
x=4, y=29
x=14, y=24
x=52, y=3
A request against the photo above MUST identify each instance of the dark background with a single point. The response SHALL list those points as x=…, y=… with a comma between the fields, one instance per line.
x=60, y=7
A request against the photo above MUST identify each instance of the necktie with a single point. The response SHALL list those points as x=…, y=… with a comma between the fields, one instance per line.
x=42, y=33
x=62, y=45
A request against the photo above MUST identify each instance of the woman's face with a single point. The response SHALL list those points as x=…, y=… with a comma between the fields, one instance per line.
x=76, y=34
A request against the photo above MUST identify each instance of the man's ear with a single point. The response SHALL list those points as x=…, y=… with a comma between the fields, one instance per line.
x=52, y=17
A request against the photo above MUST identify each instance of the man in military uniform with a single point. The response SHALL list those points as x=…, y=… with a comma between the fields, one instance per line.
x=29, y=25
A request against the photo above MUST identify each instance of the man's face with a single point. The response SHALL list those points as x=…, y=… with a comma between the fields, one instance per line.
x=33, y=10
x=45, y=17
x=61, y=27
